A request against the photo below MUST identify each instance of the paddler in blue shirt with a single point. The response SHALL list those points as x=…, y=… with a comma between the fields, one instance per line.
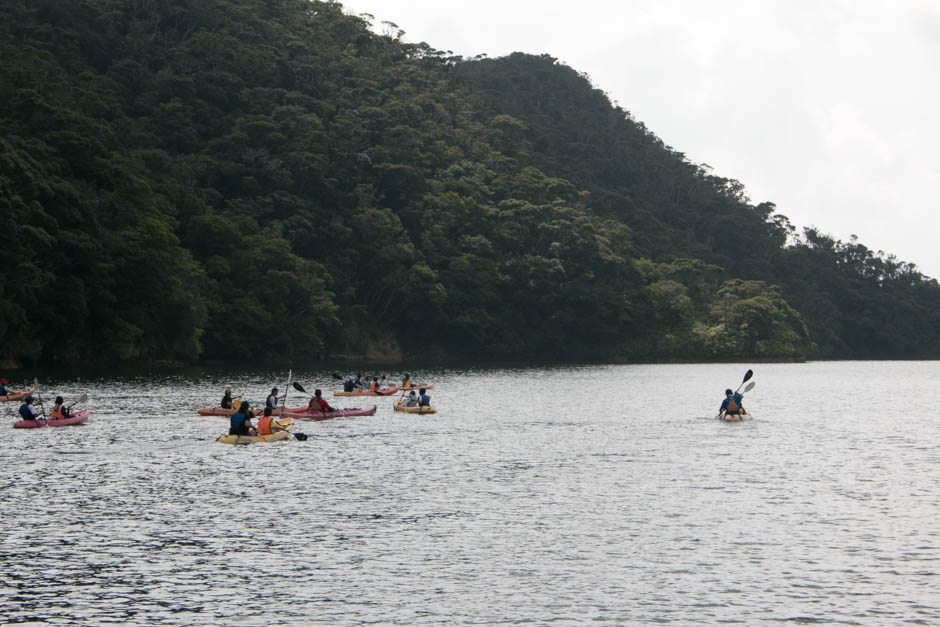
x=28, y=411
x=732, y=404
x=424, y=400
x=241, y=421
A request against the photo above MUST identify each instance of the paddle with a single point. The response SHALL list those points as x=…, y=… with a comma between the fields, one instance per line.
x=290, y=375
x=39, y=396
x=336, y=376
x=747, y=376
x=81, y=399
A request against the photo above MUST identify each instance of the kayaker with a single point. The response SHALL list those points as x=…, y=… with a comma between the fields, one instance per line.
x=731, y=406
x=424, y=400
x=358, y=381
x=318, y=403
x=3, y=388
x=59, y=410
x=406, y=381
x=227, y=400
x=28, y=411
x=412, y=400
x=271, y=401
x=266, y=423
x=241, y=421
x=349, y=385
x=375, y=386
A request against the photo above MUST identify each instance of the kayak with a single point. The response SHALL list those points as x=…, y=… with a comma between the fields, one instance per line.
x=17, y=396
x=321, y=415
x=413, y=410
x=75, y=419
x=744, y=415
x=392, y=389
x=287, y=424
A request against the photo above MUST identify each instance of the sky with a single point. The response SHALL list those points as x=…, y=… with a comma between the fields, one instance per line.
x=829, y=109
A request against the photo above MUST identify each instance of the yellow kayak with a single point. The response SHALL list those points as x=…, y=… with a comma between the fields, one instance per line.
x=398, y=406
x=286, y=425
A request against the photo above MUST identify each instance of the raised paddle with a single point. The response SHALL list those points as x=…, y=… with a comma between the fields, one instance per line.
x=81, y=399
x=290, y=375
x=39, y=396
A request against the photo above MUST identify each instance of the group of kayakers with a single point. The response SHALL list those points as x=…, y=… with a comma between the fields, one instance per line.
x=30, y=411
x=241, y=419
x=421, y=399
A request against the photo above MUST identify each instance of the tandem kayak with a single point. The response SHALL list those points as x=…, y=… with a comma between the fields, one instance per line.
x=413, y=410
x=392, y=389
x=286, y=424
x=744, y=415
x=304, y=414
x=17, y=396
x=75, y=419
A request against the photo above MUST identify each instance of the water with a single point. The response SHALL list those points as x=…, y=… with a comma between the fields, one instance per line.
x=570, y=495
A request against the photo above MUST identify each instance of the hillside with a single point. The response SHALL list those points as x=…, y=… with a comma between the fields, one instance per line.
x=185, y=181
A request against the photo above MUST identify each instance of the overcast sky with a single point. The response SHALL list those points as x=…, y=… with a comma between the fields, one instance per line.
x=827, y=108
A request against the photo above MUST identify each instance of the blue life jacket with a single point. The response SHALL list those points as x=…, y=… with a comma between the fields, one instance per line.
x=238, y=424
x=25, y=413
x=425, y=401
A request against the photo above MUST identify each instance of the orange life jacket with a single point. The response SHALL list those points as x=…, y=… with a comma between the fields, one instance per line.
x=57, y=413
x=264, y=425
x=374, y=386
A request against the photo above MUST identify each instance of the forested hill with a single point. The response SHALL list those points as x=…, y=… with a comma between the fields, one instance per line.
x=186, y=180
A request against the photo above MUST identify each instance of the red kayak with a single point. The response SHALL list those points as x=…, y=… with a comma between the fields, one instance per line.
x=303, y=414
x=75, y=419
x=218, y=411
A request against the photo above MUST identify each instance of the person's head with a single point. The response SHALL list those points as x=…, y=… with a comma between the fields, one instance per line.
x=3, y=381
x=59, y=400
x=412, y=393
x=375, y=379
x=421, y=391
x=29, y=399
x=317, y=393
x=244, y=407
x=274, y=391
x=267, y=411
x=729, y=393
x=358, y=375
x=407, y=375
x=228, y=391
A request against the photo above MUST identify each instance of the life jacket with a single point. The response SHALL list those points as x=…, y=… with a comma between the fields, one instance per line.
x=57, y=413
x=407, y=384
x=374, y=386
x=264, y=425
x=25, y=413
x=732, y=407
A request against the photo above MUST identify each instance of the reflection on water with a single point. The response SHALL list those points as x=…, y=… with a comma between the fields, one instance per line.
x=601, y=494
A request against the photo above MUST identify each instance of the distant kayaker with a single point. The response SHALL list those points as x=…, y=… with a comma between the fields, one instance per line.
x=241, y=421
x=731, y=406
x=375, y=386
x=266, y=423
x=424, y=400
x=271, y=401
x=358, y=381
x=227, y=401
x=3, y=388
x=28, y=411
x=349, y=385
x=318, y=403
x=59, y=410
x=406, y=381
x=412, y=400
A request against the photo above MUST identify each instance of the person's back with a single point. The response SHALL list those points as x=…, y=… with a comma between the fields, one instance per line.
x=27, y=410
x=241, y=421
x=265, y=422
x=348, y=385
x=729, y=405
x=59, y=410
x=424, y=400
x=412, y=400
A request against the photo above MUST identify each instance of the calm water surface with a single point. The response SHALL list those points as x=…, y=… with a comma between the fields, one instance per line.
x=573, y=495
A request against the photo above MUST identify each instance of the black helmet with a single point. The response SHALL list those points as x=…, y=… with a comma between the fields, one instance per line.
x=728, y=392
x=29, y=399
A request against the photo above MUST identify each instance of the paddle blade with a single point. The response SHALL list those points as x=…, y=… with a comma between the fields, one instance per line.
x=750, y=386
x=301, y=436
x=299, y=387
x=747, y=375
x=337, y=377
x=236, y=404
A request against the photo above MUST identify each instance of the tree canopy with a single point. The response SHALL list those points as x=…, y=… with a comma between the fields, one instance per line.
x=184, y=180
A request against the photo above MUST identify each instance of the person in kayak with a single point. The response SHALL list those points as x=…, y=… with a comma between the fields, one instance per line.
x=271, y=401
x=3, y=388
x=375, y=386
x=318, y=403
x=266, y=424
x=424, y=400
x=28, y=411
x=59, y=410
x=241, y=421
x=731, y=406
x=349, y=385
x=406, y=381
x=227, y=400
x=412, y=400
x=358, y=381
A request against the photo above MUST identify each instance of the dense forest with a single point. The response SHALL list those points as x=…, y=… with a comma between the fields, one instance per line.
x=196, y=180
